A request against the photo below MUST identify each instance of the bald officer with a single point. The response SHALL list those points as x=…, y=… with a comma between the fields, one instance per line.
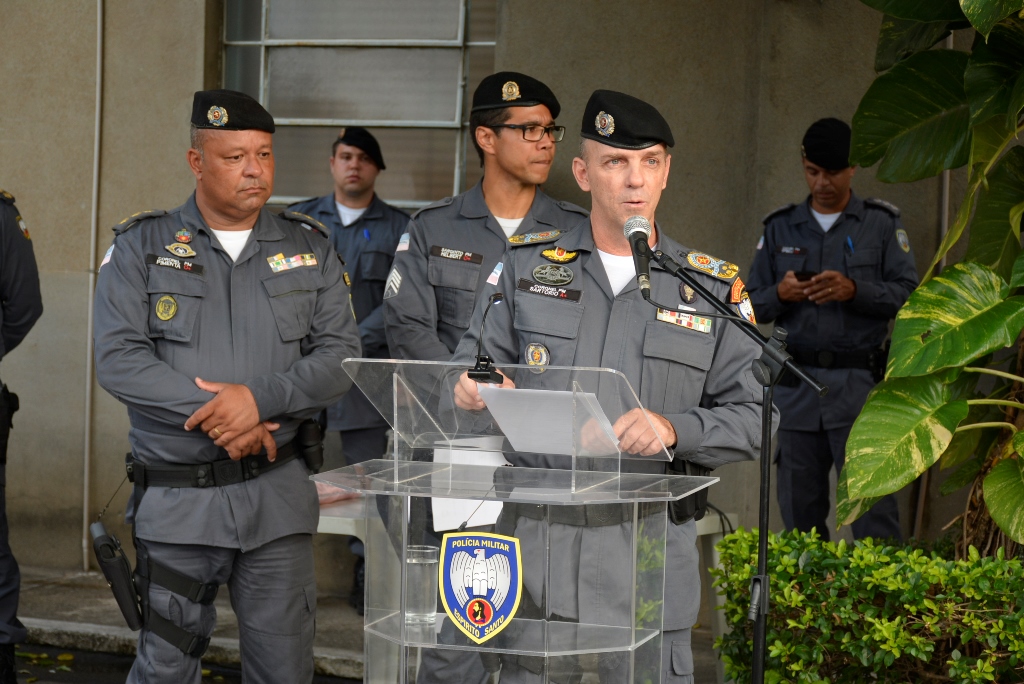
x=833, y=271
x=692, y=373
x=451, y=246
x=222, y=327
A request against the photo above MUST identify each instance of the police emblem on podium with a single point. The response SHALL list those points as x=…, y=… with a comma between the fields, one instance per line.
x=481, y=580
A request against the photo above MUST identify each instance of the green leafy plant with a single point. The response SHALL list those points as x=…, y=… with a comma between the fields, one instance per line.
x=873, y=613
x=930, y=110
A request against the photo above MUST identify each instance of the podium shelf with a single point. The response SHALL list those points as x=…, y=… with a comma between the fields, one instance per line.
x=513, y=484
x=521, y=637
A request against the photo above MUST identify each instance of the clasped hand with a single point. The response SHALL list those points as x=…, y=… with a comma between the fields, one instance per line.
x=232, y=420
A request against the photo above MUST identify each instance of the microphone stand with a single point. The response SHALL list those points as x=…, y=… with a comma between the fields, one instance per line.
x=768, y=370
x=484, y=370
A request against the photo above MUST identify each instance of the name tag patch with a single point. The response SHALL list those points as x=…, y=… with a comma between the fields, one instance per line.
x=549, y=290
x=171, y=262
x=279, y=262
x=456, y=254
x=786, y=249
x=685, y=320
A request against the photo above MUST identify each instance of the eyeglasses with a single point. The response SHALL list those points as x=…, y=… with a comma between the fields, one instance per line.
x=535, y=133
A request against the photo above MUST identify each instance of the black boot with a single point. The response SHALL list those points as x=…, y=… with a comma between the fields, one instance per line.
x=357, y=597
x=8, y=668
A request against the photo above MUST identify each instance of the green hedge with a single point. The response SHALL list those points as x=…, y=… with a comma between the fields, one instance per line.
x=873, y=613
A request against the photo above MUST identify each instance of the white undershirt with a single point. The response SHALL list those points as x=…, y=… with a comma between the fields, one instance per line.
x=233, y=241
x=620, y=270
x=349, y=215
x=826, y=221
x=510, y=226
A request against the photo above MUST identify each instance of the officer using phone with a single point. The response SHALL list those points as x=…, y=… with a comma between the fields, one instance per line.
x=833, y=271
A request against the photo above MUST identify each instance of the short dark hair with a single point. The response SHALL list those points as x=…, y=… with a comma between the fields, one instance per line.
x=487, y=118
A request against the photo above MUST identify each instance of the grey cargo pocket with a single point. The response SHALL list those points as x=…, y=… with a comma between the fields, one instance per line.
x=174, y=301
x=455, y=284
x=293, y=299
x=676, y=364
x=682, y=654
x=864, y=264
x=375, y=265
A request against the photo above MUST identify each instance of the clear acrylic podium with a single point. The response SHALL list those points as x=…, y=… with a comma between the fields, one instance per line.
x=541, y=466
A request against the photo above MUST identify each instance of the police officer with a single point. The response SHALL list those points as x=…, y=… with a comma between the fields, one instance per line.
x=22, y=307
x=833, y=271
x=692, y=373
x=451, y=246
x=365, y=232
x=222, y=327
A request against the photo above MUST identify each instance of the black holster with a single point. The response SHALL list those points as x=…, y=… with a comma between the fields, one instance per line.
x=691, y=507
x=118, y=572
x=310, y=440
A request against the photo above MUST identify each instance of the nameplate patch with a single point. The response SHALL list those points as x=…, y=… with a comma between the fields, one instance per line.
x=786, y=249
x=548, y=290
x=171, y=262
x=685, y=320
x=456, y=254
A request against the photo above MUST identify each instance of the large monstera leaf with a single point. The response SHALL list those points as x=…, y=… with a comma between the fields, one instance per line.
x=985, y=14
x=847, y=509
x=916, y=116
x=992, y=70
x=904, y=428
x=901, y=38
x=995, y=238
x=954, y=318
x=1004, y=496
x=919, y=10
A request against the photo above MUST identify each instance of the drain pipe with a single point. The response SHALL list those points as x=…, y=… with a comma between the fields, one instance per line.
x=94, y=226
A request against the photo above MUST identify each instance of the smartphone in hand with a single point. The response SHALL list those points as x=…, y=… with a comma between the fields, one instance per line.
x=805, y=275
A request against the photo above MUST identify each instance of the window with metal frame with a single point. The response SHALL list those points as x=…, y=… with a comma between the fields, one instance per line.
x=405, y=69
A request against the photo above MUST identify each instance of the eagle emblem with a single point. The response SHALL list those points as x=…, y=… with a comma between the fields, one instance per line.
x=481, y=579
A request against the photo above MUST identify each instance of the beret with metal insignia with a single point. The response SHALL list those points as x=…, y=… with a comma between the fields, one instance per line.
x=512, y=89
x=624, y=121
x=359, y=137
x=827, y=144
x=229, y=110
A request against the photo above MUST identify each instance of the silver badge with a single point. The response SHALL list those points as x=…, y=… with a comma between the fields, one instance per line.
x=553, y=274
x=604, y=123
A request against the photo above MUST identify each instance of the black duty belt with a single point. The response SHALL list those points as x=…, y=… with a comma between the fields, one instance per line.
x=825, y=358
x=212, y=474
x=590, y=515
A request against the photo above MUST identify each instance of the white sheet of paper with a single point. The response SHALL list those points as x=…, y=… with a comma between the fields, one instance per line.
x=541, y=421
x=449, y=514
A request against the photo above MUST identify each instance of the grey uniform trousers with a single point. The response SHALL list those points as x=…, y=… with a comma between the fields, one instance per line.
x=273, y=593
x=805, y=459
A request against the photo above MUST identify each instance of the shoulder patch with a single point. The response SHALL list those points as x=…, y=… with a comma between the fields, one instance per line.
x=705, y=263
x=772, y=214
x=882, y=204
x=439, y=203
x=6, y=197
x=569, y=206
x=534, y=238
x=135, y=218
x=308, y=222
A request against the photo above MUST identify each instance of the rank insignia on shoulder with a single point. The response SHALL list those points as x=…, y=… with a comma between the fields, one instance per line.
x=687, y=293
x=279, y=263
x=549, y=290
x=770, y=215
x=6, y=197
x=481, y=583
x=552, y=274
x=130, y=221
x=183, y=235
x=901, y=237
x=180, y=250
x=24, y=228
x=166, y=307
x=393, y=283
x=737, y=291
x=308, y=222
x=685, y=320
x=527, y=238
x=745, y=308
x=720, y=268
x=456, y=254
x=882, y=204
x=560, y=256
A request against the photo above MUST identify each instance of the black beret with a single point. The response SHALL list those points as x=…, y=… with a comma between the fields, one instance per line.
x=356, y=136
x=622, y=120
x=229, y=110
x=512, y=89
x=827, y=144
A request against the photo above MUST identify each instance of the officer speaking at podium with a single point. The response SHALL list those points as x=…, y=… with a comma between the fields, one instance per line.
x=222, y=328
x=692, y=372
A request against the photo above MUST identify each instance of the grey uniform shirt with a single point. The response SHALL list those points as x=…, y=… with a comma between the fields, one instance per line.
x=700, y=381
x=440, y=270
x=867, y=244
x=282, y=329
x=21, y=303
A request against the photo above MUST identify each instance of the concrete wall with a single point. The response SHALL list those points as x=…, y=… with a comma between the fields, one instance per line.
x=739, y=85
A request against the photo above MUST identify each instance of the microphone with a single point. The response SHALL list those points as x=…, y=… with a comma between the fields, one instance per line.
x=483, y=371
x=637, y=230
